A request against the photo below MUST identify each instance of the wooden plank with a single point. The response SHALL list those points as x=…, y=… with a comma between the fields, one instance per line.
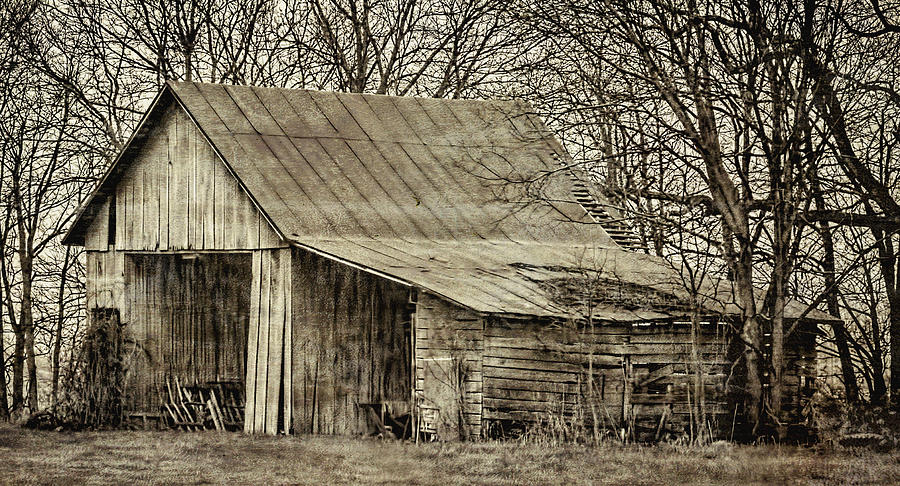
x=96, y=236
x=250, y=383
x=275, y=340
x=123, y=190
x=526, y=405
x=555, y=376
x=220, y=192
x=194, y=222
x=208, y=164
x=267, y=236
x=163, y=178
x=287, y=382
x=251, y=218
x=324, y=309
x=493, y=383
x=232, y=224
x=302, y=380
x=215, y=224
x=152, y=191
x=178, y=191
x=525, y=358
x=343, y=387
x=262, y=375
x=530, y=395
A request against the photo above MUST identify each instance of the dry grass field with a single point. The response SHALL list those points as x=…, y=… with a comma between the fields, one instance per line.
x=121, y=457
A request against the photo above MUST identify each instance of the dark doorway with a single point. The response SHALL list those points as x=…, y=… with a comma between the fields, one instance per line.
x=188, y=319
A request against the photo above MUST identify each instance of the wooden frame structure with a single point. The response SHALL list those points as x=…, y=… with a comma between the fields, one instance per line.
x=342, y=253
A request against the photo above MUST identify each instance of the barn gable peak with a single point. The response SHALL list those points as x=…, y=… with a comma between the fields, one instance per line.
x=170, y=178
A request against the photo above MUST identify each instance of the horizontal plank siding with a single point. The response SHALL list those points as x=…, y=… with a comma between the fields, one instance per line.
x=449, y=359
x=533, y=368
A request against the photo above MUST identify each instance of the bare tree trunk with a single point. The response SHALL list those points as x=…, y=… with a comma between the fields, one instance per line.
x=26, y=322
x=830, y=107
x=4, y=399
x=60, y=320
x=5, y=304
x=851, y=387
x=18, y=398
x=26, y=317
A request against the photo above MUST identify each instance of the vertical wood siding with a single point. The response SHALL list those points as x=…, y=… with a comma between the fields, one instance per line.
x=448, y=357
x=351, y=346
x=268, y=350
x=96, y=237
x=105, y=281
x=187, y=318
x=178, y=195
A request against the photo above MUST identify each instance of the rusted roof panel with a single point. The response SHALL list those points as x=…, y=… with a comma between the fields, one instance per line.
x=419, y=190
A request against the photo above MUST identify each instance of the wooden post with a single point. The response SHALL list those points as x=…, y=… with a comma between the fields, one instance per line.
x=626, y=391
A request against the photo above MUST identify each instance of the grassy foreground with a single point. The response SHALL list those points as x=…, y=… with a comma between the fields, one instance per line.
x=120, y=457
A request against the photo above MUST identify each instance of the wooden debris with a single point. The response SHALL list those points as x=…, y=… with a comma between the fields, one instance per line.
x=208, y=406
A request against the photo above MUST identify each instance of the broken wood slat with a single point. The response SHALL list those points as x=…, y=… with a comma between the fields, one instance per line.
x=655, y=376
x=217, y=409
x=214, y=415
x=176, y=418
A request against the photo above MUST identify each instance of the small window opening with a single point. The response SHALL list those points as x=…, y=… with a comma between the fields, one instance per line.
x=111, y=224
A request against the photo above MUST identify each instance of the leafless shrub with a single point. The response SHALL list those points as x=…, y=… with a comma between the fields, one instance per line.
x=94, y=387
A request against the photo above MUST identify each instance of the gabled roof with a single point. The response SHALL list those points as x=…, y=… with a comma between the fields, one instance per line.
x=417, y=190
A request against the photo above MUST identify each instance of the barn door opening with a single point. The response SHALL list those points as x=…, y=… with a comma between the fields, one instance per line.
x=189, y=320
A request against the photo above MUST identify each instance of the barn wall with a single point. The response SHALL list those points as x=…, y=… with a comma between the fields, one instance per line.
x=268, y=378
x=532, y=369
x=800, y=368
x=105, y=280
x=96, y=235
x=351, y=346
x=178, y=195
x=448, y=357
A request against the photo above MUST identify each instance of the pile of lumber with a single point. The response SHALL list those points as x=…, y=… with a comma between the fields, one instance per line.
x=214, y=405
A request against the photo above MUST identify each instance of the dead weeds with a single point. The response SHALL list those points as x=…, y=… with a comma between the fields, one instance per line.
x=123, y=457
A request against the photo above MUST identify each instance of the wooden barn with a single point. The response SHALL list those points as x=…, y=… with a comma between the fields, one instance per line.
x=343, y=257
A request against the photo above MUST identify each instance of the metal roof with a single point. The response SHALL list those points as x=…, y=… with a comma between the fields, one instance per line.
x=418, y=190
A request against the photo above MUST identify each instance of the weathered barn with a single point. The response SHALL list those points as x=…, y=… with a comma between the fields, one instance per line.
x=333, y=252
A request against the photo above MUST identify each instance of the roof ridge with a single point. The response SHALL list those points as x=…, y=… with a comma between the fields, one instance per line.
x=513, y=101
